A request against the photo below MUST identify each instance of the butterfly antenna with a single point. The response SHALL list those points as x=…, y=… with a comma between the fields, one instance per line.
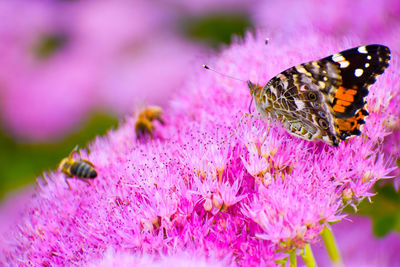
x=223, y=74
x=261, y=68
x=263, y=59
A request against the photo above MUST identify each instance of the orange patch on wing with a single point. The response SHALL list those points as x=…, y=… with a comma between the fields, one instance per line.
x=344, y=97
x=345, y=94
x=343, y=103
x=360, y=115
x=347, y=124
x=351, y=124
x=338, y=108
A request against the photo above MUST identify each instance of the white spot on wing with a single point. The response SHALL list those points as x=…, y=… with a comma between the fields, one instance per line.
x=332, y=72
x=369, y=57
x=299, y=104
x=362, y=50
x=301, y=69
x=338, y=58
x=273, y=90
x=341, y=60
x=326, y=139
x=366, y=65
x=344, y=64
x=358, y=72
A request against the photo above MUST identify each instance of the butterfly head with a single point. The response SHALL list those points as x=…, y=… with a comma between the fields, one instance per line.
x=254, y=88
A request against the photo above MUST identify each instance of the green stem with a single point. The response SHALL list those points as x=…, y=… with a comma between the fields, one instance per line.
x=308, y=257
x=292, y=258
x=331, y=247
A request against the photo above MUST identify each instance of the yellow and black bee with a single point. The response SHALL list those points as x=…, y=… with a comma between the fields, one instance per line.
x=144, y=122
x=78, y=168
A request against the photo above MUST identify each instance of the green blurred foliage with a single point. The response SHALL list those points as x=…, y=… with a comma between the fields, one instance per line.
x=215, y=29
x=49, y=44
x=21, y=163
x=384, y=210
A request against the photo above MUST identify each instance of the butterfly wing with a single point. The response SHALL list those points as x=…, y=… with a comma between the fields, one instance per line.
x=357, y=71
x=330, y=93
x=299, y=100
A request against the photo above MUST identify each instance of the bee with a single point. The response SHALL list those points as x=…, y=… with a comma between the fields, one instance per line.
x=81, y=169
x=144, y=123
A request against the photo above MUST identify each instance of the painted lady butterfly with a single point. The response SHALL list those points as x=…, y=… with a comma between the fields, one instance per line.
x=323, y=99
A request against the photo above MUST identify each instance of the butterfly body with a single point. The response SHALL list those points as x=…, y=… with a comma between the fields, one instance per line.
x=324, y=99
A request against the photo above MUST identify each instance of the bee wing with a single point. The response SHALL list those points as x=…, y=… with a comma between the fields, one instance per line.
x=88, y=162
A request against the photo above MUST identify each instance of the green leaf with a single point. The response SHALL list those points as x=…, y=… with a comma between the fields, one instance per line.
x=384, y=209
x=49, y=44
x=384, y=225
x=216, y=28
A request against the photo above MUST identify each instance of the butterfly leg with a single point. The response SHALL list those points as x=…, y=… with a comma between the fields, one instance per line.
x=237, y=127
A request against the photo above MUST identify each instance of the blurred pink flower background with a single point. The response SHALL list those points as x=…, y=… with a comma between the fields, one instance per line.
x=195, y=194
x=63, y=60
x=360, y=247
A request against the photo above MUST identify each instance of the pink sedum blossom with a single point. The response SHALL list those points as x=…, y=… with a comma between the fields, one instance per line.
x=112, y=258
x=392, y=142
x=392, y=148
x=203, y=186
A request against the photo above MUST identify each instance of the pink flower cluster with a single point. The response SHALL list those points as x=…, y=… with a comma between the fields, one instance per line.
x=205, y=186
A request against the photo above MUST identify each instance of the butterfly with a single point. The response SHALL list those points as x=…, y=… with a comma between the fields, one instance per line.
x=323, y=99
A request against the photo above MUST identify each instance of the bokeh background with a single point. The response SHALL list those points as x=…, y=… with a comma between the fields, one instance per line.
x=71, y=69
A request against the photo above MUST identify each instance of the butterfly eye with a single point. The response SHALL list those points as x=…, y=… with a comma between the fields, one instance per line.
x=323, y=123
x=312, y=96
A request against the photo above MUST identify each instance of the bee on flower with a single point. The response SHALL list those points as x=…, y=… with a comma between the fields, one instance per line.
x=144, y=124
x=78, y=168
